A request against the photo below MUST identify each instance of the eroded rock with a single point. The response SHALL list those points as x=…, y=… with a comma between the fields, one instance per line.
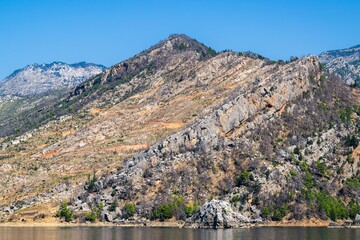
x=217, y=214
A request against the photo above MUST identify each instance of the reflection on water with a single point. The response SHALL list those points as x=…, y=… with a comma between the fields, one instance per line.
x=142, y=233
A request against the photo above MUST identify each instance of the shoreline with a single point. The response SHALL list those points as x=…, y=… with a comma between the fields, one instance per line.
x=167, y=224
x=172, y=223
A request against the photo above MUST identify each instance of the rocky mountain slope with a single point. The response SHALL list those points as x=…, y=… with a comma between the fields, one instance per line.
x=38, y=79
x=30, y=88
x=179, y=124
x=344, y=62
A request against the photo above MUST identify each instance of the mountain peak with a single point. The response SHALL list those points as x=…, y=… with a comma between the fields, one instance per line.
x=344, y=62
x=180, y=43
x=40, y=78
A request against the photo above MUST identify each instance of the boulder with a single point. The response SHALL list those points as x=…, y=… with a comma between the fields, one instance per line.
x=347, y=223
x=217, y=214
x=334, y=225
x=357, y=220
x=85, y=207
x=118, y=211
x=109, y=216
x=99, y=185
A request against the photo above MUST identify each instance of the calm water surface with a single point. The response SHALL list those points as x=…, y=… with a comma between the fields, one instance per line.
x=138, y=233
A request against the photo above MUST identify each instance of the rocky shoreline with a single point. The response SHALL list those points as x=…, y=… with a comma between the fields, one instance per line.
x=171, y=224
x=215, y=214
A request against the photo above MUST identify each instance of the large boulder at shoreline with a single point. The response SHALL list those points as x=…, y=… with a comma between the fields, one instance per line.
x=357, y=220
x=217, y=214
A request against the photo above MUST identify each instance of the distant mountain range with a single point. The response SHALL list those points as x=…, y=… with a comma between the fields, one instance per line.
x=38, y=79
x=344, y=62
x=41, y=78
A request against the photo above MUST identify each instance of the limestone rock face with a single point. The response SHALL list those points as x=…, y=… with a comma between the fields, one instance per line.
x=217, y=214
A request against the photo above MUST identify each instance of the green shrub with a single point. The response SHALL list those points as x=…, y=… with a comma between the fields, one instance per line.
x=113, y=193
x=308, y=181
x=235, y=199
x=350, y=159
x=91, y=182
x=180, y=46
x=356, y=109
x=333, y=207
x=323, y=106
x=162, y=212
x=190, y=209
x=175, y=207
x=309, y=142
x=101, y=206
x=211, y=51
x=113, y=206
x=345, y=115
x=353, y=183
x=177, y=202
x=96, y=211
x=293, y=172
x=296, y=150
x=129, y=210
x=279, y=213
x=321, y=167
x=64, y=212
x=243, y=179
x=351, y=141
x=308, y=194
x=354, y=208
x=266, y=211
x=90, y=216
x=303, y=165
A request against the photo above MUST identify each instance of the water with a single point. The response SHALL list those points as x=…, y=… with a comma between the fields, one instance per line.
x=142, y=233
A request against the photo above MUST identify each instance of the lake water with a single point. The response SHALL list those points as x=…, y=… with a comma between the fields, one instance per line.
x=142, y=233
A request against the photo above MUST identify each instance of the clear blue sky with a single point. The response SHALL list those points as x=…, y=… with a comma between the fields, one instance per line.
x=109, y=31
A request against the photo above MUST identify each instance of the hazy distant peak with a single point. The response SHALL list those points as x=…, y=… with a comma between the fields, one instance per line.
x=344, y=62
x=40, y=78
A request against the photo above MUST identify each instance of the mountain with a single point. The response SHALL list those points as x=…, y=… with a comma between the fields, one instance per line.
x=177, y=125
x=344, y=62
x=37, y=85
x=38, y=79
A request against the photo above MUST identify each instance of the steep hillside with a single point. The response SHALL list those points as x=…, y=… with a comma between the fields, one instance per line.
x=284, y=144
x=29, y=89
x=179, y=124
x=345, y=63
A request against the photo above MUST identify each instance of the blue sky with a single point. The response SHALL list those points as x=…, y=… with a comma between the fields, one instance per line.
x=110, y=31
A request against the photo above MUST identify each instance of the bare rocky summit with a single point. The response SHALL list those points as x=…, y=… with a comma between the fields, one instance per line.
x=38, y=79
x=29, y=89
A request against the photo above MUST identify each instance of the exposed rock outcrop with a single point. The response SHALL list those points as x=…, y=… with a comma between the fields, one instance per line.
x=357, y=220
x=209, y=136
x=217, y=214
